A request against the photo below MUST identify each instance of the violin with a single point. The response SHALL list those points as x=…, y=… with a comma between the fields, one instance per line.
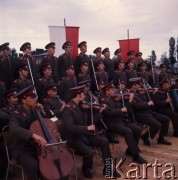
x=118, y=96
x=87, y=106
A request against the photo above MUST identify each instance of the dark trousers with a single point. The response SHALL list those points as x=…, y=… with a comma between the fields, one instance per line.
x=164, y=120
x=3, y=160
x=172, y=115
x=131, y=132
x=30, y=164
x=84, y=149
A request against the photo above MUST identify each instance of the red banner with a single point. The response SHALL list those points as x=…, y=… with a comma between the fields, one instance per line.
x=72, y=34
x=127, y=45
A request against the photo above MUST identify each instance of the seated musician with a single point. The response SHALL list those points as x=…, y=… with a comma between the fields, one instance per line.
x=162, y=104
x=23, y=150
x=115, y=119
x=53, y=102
x=80, y=133
x=142, y=108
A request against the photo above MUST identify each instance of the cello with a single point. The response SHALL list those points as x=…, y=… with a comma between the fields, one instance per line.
x=55, y=161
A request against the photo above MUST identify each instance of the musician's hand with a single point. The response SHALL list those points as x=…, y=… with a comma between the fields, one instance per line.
x=41, y=108
x=131, y=97
x=124, y=109
x=168, y=100
x=103, y=108
x=91, y=128
x=150, y=103
x=39, y=139
x=63, y=106
x=155, y=90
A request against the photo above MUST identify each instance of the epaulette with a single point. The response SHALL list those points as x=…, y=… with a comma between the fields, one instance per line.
x=17, y=80
x=41, y=79
x=17, y=112
x=71, y=105
x=81, y=75
x=65, y=78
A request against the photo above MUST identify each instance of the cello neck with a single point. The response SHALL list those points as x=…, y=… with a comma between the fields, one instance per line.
x=43, y=124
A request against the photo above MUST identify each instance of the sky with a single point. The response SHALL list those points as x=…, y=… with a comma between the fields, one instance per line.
x=101, y=22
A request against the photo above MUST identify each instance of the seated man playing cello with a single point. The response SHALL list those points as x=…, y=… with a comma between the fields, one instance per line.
x=80, y=133
x=23, y=150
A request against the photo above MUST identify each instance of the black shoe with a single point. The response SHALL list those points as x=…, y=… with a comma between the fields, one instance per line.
x=163, y=141
x=139, y=159
x=176, y=134
x=87, y=173
x=146, y=141
x=112, y=139
x=128, y=153
x=110, y=175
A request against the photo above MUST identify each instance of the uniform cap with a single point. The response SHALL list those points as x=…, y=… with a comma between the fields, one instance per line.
x=5, y=46
x=11, y=92
x=24, y=46
x=51, y=87
x=84, y=63
x=22, y=67
x=138, y=54
x=163, y=66
x=26, y=92
x=98, y=49
x=164, y=81
x=66, y=44
x=108, y=86
x=69, y=67
x=50, y=45
x=77, y=90
x=46, y=66
x=117, y=51
x=136, y=80
x=130, y=53
x=83, y=43
x=105, y=50
x=99, y=62
x=86, y=83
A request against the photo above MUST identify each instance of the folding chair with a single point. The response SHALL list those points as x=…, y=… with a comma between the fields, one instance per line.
x=8, y=140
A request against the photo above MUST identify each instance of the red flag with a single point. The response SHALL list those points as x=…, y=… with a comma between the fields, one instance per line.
x=127, y=45
x=61, y=34
x=72, y=34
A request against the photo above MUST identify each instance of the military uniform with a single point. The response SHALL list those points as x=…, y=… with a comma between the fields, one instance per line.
x=64, y=60
x=21, y=83
x=64, y=86
x=163, y=76
x=83, y=77
x=115, y=121
x=42, y=84
x=130, y=74
x=120, y=75
x=80, y=139
x=145, y=75
x=2, y=94
x=164, y=108
x=54, y=104
x=23, y=150
x=144, y=114
x=81, y=58
x=6, y=71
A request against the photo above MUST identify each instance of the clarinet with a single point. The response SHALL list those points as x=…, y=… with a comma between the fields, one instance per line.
x=172, y=106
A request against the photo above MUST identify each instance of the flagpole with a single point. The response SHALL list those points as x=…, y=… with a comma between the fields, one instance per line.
x=64, y=22
x=128, y=40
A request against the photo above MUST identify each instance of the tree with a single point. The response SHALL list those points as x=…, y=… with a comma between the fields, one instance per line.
x=177, y=48
x=152, y=58
x=172, y=52
x=164, y=59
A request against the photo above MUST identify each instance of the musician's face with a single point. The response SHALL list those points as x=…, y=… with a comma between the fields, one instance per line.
x=24, y=73
x=98, y=54
x=28, y=51
x=121, y=66
x=84, y=68
x=52, y=93
x=12, y=100
x=83, y=49
x=51, y=51
x=166, y=86
x=110, y=92
x=101, y=67
x=48, y=72
x=30, y=101
x=68, y=49
x=82, y=96
x=131, y=65
x=107, y=54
